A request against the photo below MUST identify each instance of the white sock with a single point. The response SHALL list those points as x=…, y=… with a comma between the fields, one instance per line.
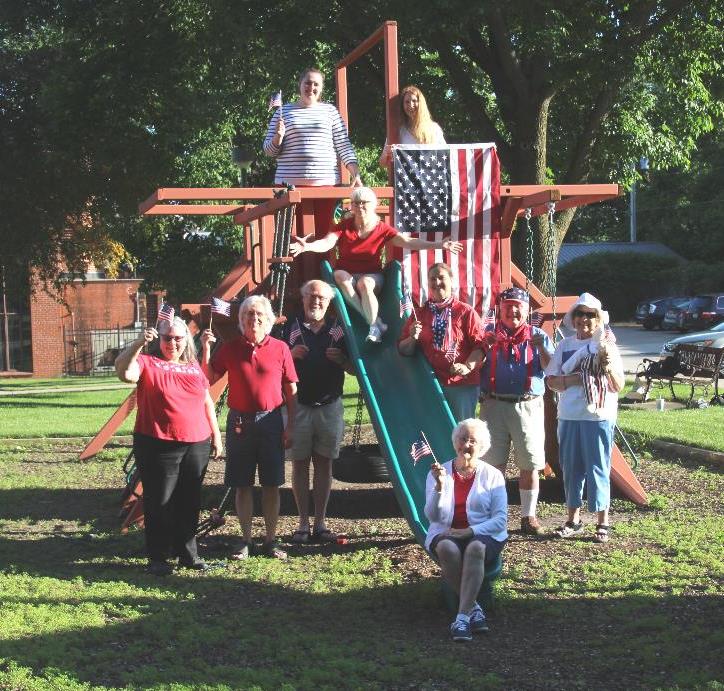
x=528, y=502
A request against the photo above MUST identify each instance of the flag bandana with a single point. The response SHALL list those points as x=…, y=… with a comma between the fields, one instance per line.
x=219, y=306
x=450, y=192
x=441, y=319
x=419, y=449
x=165, y=314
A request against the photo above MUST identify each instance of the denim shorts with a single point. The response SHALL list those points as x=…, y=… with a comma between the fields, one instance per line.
x=493, y=547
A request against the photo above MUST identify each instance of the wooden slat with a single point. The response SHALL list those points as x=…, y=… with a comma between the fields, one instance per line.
x=109, y=429
x=370, y=42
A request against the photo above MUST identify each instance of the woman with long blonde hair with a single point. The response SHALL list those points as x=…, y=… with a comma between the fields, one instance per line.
x=417, y=126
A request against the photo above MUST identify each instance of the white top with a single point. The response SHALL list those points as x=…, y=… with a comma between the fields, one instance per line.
x=406, y=137
x=487, y=504
x=314, y=138
x=572, y=403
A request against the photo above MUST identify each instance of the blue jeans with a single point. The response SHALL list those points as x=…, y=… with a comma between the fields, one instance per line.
x=585, y=457
x=462, y=400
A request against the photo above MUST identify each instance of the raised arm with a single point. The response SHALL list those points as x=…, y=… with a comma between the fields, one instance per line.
x=275, y=135
x=304, y=244
x=126, y=363
x=207, y=338
x=405, y=241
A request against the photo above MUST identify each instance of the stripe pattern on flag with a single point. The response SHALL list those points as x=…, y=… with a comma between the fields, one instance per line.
x=165, y=314
x=451, y=191
x=219, y=306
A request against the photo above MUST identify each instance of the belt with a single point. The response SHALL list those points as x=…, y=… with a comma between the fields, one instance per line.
x=249, y=417
x=510, y=399
x=320, y=404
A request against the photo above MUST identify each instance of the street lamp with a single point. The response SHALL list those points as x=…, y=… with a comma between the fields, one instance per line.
x=643, y=166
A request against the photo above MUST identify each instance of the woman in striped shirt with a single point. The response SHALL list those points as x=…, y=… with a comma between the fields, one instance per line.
x=307, y=137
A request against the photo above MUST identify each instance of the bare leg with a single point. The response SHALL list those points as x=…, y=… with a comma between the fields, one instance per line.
x=245, y=510
x=321, y=489
x=270, y=509
x=345, y=283
x=300, y=487
x=471, y=578
x=450, y=563
x=370, y=304
x=603, y=517
x=574, y=515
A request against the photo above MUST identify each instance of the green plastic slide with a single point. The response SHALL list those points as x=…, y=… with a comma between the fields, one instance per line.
x=402, y=395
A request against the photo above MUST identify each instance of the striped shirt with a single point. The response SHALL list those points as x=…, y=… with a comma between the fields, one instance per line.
x=315, y=137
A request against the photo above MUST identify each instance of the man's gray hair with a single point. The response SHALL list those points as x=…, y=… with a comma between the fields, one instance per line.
x=323, y=286
x=257, y=301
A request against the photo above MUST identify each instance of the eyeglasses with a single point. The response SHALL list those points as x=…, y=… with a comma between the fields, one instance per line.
x=583, y=314
x=363, y=202
x=167, y=339
x=318, y=298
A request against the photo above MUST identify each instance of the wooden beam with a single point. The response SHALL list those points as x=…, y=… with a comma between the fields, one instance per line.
x=266, y=208
x=565, y=190
x=570, y=202
x=193, y=210
x=511, y=207
x=370, y=42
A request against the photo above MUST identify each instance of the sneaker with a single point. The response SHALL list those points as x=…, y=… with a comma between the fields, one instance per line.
x=157, y=567
x=196, y=565
x=273, y=551
x=381, y=326
x=242, y=552
x=460, y=629
x=375, y=335
x=569, y=529
x=530, y=525
x=478, y=622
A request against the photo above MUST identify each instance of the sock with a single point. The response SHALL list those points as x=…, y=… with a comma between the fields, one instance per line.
x=528, y=502
x=463, y=617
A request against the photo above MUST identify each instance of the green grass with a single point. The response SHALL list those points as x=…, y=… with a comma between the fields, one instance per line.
x=10, y=384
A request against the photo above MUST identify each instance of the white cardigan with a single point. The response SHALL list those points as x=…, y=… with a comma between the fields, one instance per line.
x=487, y=504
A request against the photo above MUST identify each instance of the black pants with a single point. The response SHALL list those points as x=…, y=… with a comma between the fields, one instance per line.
x=172, y=473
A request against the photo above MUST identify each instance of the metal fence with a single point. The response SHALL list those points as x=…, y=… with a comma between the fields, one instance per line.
x=93, y=352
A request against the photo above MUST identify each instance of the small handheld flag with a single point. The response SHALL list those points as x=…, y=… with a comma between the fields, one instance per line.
x=165, y=314
x=275, y=100
x=336, y=333
x=406, y=304
x=420, y=449
x=536, y=319
x=451, y=352
x=489, y=318
x=219, y=306
x=295, y=334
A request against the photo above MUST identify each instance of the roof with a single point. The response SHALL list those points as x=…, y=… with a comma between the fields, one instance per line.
x=570, y=251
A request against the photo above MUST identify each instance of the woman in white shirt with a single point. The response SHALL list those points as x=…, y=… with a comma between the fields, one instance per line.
x=467, y=506
x=417, y=126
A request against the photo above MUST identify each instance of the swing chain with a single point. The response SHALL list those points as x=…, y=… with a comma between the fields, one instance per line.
x=357, y=430
x=550, y=260
x=529, y=249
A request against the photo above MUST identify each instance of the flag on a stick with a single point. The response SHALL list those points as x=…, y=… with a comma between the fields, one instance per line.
x=165, y=314
x=406, y=304
x=420, y=449
x=451, y=352
x=219, y=306
x=295, y=334
x=275, y=100
x=536, y=319
x=450, y=192
x=489, y=318
x=336, y=333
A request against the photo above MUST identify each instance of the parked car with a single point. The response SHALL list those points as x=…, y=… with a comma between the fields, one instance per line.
x=674, y=317
x=703, y=312
x=713, y=338
x=650, y=313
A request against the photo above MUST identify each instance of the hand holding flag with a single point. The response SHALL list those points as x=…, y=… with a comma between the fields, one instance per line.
x=219, y=306
x=165, y=314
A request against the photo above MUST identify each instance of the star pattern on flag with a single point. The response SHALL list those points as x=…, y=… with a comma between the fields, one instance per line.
x=423, y=190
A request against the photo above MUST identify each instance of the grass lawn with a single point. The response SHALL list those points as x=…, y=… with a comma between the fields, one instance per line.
x=78, y=612
x=9, y=384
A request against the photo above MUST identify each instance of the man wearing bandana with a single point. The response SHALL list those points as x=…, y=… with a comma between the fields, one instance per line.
x=511, y=397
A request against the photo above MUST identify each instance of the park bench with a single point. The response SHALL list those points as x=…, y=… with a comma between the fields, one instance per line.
x=697, y=367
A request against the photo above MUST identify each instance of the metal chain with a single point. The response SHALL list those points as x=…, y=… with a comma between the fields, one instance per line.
x=529, y=253
x=357, y=430
x=550, y=259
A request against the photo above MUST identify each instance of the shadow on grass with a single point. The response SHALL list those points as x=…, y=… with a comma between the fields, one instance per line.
x=237, y=627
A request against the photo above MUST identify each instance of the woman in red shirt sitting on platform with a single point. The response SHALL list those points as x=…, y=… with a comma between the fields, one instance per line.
x=360, y=240
x=467, y=506
x=175, y=430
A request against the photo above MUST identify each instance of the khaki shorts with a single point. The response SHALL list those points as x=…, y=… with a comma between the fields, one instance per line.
x=318, y=430
x=523, y=424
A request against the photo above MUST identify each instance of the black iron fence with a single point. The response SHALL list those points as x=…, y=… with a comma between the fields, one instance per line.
x=93, y=352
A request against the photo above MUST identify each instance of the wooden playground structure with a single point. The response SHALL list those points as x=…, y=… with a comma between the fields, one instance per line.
x=256, y=211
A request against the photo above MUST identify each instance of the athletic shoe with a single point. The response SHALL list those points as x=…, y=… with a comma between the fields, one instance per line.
x=460, y=629
x=381, y=326
x=478, y=622
x=375, y=335
x=569, y=529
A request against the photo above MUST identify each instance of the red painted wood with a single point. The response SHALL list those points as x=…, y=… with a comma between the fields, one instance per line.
x=109, y=429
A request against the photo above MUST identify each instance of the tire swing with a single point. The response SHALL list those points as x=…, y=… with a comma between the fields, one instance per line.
x=360, y=463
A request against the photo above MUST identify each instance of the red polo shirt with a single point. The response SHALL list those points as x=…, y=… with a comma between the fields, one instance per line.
x=256, y=372
x=361, y=256
x=171, y=400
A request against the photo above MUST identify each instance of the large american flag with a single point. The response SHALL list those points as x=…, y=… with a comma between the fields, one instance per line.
x=451, y=191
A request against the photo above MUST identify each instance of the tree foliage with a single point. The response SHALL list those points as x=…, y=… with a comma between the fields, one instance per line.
x=101, y=103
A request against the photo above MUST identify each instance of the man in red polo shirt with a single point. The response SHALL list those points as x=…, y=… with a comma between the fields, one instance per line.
x=261, y=377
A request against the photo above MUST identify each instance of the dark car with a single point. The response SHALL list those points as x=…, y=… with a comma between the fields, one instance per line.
x=650, y=313
x=674, y=317
x=703, y=312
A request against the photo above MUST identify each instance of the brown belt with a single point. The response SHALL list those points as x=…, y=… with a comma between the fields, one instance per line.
x=510, y=399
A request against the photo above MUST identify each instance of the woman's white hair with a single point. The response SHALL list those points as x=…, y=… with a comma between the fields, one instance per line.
x=476, y=425
x=362, y=194
x=188, y=354
x=257, y=301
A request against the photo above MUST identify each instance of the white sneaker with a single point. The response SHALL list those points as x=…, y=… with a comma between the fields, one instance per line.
x=381, y=326
x=375, y=336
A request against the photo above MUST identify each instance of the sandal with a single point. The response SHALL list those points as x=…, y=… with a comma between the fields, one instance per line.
x=325, y=535
x=300, y=537
x=602, y=533
x=569, y=529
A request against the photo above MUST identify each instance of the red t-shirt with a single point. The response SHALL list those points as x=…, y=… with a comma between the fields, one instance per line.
x=256, y=372
x=462, y=489
x=170, y=398
x=361, y=256
x=467, y=331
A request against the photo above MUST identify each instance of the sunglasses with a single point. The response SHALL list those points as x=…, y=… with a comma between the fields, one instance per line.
x=366, y=202
x=167, y=339
x=582, y=313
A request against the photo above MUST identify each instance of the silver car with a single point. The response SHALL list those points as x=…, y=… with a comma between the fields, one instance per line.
x=713, y=338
